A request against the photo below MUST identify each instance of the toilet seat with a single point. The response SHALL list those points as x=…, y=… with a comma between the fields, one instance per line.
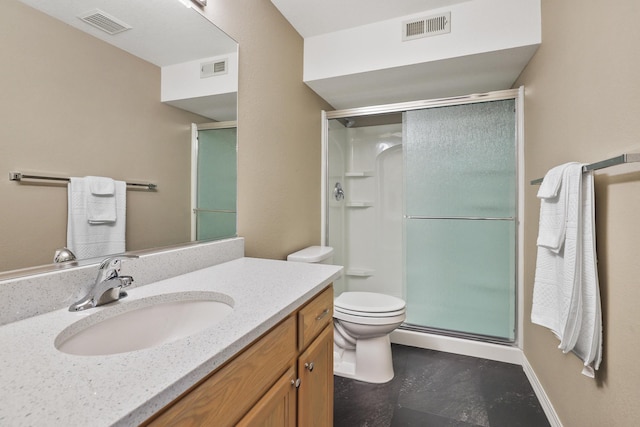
x=370, y=320
x=369, y=314
x=369, y=304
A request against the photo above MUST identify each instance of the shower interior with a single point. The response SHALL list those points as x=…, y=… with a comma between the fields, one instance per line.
x=374, y=235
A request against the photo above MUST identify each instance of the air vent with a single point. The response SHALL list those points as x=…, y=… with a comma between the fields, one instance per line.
x=426, y=27
x=214, y=68
x=104, y=21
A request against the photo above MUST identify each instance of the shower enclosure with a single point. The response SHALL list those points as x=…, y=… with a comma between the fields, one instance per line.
x=421, y=203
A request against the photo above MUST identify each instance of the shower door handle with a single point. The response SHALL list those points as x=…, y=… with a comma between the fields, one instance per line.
x=338, y=192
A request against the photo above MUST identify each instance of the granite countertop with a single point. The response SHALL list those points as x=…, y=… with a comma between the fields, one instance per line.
x=40, y=385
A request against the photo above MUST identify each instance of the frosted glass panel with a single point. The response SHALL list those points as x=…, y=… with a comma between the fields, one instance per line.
x=461, y=275
x=460, y=160
x=215, y=225
x=217, y=171
x=217, y=177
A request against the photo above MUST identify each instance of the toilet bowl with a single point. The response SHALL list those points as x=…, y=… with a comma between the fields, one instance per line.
x=363, y=322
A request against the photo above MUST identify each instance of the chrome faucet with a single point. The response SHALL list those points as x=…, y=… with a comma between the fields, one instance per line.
x=108, y=285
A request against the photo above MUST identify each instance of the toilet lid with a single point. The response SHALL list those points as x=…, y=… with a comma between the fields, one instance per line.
x=368, y=302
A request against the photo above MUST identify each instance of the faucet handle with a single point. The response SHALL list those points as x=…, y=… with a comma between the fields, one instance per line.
x=125, y=281
x=110, y=267
x=114, y=261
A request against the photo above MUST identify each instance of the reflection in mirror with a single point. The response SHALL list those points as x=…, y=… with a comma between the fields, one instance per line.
x=215, y=173
x=79, y=102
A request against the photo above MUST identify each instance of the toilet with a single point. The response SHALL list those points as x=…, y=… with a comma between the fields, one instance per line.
x=362, y=324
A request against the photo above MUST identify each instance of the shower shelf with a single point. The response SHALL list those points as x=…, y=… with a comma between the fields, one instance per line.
x=361, y=174
x=359, y=204
x=360, y=272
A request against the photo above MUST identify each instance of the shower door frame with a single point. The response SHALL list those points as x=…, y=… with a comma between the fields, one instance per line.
x=515, y=94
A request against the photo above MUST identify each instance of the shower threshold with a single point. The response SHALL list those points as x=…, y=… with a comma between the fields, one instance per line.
x=457, y=334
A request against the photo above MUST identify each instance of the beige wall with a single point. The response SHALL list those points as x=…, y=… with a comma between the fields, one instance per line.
x=75, y=106
x=583, y=104
x=278, y=131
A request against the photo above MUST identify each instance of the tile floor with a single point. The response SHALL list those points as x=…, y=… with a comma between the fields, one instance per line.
x=434, y=389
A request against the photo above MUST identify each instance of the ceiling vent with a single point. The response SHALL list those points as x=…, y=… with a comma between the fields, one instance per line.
x=213, y=68
x=104, y=21
x=426, y=27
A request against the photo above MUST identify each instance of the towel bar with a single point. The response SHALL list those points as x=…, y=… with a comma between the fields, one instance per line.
x=19, y=176
x=614, y=161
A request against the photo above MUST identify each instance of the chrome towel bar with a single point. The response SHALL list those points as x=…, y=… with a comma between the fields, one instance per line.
x=614, y=161
x=19, y=176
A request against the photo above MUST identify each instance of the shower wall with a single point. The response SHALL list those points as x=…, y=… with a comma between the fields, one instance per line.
x=365, y=227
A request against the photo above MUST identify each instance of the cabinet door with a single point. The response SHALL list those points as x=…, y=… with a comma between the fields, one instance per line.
x=315, y=369
x=277, y=408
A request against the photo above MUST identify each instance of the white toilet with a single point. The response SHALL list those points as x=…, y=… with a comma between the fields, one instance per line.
x=363, y=322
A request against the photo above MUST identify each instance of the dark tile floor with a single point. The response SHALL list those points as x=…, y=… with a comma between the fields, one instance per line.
x=436, y=389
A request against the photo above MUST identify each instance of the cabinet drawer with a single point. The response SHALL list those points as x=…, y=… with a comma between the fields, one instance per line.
x=224, y=397
x=314, y=317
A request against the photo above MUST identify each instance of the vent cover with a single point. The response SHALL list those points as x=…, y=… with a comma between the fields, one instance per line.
x=104, y=21
x=426, y=27
x=214, y=68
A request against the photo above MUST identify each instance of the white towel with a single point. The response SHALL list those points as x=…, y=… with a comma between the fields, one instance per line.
x=553, y=205
x=588, y=345
x=90, y=240
x=101, y=200
x=556, y=271
x=566, y=296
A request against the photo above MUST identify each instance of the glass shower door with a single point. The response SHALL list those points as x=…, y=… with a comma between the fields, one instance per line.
x=460, y=218
x=216, y=184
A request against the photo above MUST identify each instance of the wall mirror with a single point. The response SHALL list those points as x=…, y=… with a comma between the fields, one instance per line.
x=105, y=88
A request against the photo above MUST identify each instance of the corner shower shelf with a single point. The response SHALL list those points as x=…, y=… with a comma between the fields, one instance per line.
x=359, y=204
x=360, y=174
x=360, y=272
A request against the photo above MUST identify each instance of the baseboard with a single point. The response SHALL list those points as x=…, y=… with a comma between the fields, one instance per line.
x=500, y=353
x=548, y=408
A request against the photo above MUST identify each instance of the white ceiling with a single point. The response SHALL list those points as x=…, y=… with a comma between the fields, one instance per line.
x=313, y=17
x=164, y=32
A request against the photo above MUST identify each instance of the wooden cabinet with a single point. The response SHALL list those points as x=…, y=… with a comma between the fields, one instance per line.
x=277, y=408
x=315, y=370
x=283, y=379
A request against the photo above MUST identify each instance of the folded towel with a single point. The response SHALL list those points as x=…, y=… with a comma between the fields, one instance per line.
x=90, y=240
x=553, y=205
x=101, y=186
x=101, y=201
x=551, y=182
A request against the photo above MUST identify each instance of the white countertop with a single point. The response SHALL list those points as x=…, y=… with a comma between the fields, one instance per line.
x=40, y=385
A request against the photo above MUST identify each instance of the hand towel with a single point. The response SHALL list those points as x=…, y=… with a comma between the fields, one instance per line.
x=100, y=199
x=101, y=186
x=90, y=240
x=553, y=205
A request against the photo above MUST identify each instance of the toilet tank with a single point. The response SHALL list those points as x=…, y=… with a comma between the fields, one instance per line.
x=313, y=254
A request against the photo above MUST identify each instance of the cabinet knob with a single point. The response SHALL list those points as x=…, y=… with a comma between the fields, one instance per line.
x=309, y=366
x=296, y=382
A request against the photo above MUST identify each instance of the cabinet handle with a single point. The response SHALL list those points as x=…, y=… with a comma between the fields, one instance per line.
x=296, y=382
x=309, y=366
x=323, y=314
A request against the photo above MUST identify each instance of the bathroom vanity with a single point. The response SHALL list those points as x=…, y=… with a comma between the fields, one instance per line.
x=269, y=359
x=284, y=378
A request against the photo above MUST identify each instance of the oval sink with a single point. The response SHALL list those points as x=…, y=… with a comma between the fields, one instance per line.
x=144, y=323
